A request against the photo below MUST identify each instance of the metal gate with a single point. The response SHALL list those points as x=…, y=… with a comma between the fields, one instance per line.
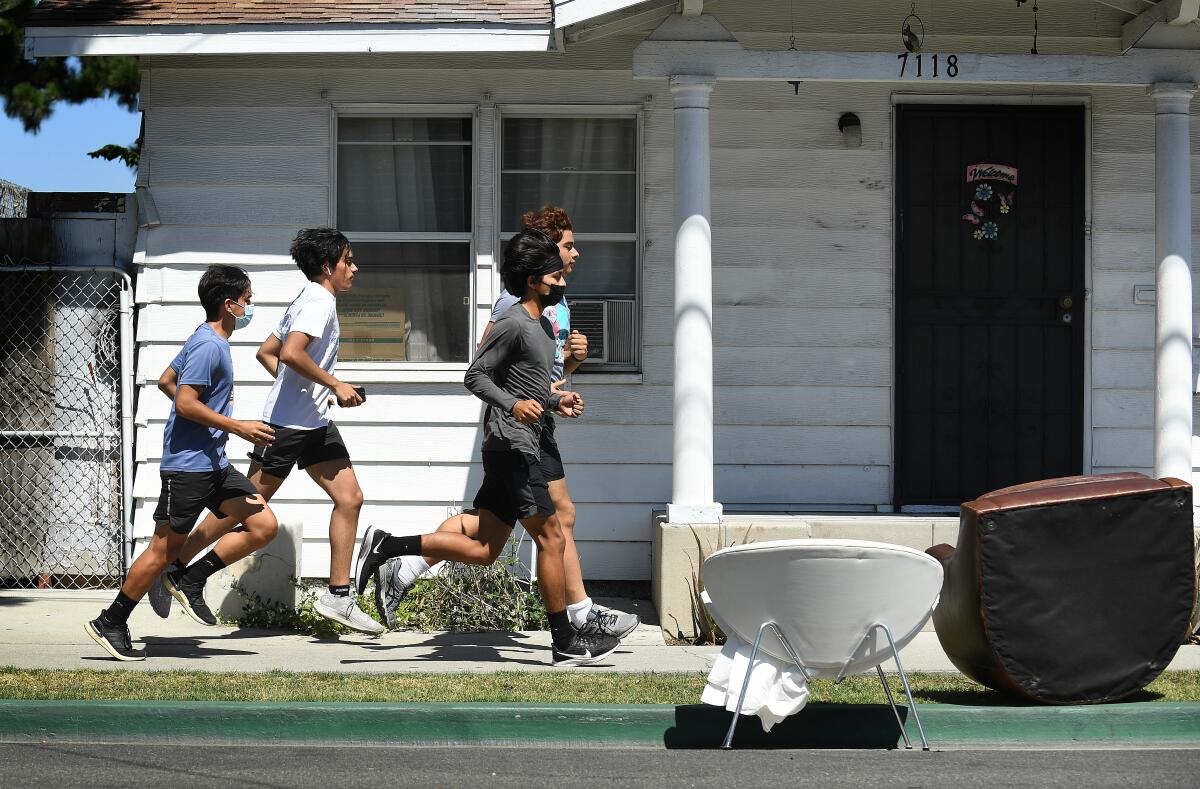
x=66, y=349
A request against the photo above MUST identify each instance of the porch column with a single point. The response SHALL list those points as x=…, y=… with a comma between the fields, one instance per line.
x=1173, y=281
x=692, y=452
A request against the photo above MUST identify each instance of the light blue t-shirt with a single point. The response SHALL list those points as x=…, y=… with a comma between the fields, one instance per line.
x=559, y=316
x=204, y=362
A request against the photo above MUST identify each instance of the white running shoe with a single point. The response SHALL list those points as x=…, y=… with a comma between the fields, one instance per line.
x=345, y=611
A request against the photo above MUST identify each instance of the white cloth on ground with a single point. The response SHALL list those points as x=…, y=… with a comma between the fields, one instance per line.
x=776, y=688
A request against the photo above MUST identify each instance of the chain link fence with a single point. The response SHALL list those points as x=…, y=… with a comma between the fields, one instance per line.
x=65, y=355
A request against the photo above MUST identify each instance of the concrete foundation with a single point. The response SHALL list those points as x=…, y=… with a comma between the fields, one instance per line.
x=270, y=573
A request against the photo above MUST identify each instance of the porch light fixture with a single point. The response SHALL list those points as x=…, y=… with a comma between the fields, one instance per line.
x=851, y=128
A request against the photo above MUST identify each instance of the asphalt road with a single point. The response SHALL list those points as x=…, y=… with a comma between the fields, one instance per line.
x=62, y=765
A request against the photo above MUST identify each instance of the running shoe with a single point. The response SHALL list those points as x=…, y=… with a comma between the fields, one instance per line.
x=612, y=622
x=190, y=597
x=588, y=646
x=368, y=559
x=113, y=639
x=393, y=579
x=160, y=598
x=344, y=610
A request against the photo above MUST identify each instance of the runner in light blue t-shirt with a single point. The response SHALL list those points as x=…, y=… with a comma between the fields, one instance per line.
x=194, y=471
x=397, y=576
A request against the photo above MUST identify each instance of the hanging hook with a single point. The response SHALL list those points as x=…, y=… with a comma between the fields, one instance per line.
x=1034, y=50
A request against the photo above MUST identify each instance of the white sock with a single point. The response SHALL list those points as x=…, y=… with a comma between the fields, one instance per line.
x=411, y=568
x=578, y=612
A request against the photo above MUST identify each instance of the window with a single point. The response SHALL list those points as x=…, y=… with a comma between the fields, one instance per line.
x=589, y=166
x=404, y=199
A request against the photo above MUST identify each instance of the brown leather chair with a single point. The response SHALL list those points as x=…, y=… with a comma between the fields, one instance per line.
x=1069, y=591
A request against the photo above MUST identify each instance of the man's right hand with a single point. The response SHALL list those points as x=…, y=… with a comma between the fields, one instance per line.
x=346, y=395
x=527, y=412
x=260, y=434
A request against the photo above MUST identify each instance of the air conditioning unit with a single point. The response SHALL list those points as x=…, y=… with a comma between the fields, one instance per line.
x=610, y=326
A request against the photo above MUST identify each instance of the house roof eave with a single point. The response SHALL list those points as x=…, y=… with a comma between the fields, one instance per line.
x=253, y=39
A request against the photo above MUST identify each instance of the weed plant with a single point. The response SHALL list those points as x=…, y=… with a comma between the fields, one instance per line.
x=462, y=598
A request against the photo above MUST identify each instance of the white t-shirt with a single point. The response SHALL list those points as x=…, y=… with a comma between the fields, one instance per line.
x=294, y=400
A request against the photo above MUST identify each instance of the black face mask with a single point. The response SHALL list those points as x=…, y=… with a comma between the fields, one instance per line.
x=553, y=297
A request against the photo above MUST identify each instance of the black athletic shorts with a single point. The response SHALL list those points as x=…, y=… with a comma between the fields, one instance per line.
x=551, y=463
x=185, y=494
x=513, y=487
x=303, y=448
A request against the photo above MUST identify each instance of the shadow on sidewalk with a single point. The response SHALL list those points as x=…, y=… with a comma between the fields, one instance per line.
x=484, y=647
x=190, y=648
x=249, y=632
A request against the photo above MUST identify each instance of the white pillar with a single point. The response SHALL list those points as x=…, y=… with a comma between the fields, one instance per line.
x=692, y=455
x=1173, y=281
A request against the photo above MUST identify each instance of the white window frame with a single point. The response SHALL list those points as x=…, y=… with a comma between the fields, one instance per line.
x=634, y=111
x=437, y=371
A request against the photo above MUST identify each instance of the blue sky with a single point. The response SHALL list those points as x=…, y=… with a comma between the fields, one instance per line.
x=55, y=159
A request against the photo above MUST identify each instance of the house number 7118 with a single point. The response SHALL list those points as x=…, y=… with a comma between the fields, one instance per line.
x=951, y=64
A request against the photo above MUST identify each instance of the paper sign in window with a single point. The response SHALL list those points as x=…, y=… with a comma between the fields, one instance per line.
x=372, y=324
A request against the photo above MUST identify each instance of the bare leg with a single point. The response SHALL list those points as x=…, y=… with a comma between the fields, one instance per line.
x=261, y=527
x=548, y=536
x=564, y=510
x=483, y=547
x=213, y=528
x=337, y=479
x=164, y=547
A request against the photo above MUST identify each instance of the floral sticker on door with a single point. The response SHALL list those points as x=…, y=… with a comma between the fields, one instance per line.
x=994, y=196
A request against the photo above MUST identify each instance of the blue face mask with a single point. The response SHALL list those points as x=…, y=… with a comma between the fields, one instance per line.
x=243, y=320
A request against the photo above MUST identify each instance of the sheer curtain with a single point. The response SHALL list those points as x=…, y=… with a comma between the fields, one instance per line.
x=404, y=176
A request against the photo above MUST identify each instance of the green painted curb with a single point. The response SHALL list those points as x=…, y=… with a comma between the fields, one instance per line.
x=686, y=726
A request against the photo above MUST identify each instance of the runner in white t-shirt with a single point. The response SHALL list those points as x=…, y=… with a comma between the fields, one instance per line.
x=301, y=354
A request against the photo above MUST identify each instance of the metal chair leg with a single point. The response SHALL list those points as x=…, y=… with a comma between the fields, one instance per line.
x=892, y=703
x=912, y=705
x=745, y=685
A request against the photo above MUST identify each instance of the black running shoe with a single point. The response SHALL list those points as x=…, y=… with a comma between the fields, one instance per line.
x=368, y=559
x=589, y=645
x=160, y=598
x=190, y=597
x=113, y=639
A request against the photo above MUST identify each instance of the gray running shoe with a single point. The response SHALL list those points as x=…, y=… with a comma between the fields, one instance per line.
x=612, y=622
x=393, y=579
x=345, y=611
x=160, y=598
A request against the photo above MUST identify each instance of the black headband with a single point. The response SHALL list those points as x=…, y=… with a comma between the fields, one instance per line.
x=552, y=265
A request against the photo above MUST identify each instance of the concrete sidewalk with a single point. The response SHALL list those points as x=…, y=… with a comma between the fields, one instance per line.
x=45, y=630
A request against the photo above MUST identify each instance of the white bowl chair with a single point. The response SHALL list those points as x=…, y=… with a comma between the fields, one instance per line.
x=833, y=607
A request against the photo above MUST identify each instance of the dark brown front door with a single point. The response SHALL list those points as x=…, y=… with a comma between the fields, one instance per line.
x=989, y=299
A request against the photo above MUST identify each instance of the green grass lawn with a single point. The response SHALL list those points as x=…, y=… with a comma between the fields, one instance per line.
x=517, y=687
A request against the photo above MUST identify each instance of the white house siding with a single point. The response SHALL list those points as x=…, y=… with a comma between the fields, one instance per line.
x=237, y=159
